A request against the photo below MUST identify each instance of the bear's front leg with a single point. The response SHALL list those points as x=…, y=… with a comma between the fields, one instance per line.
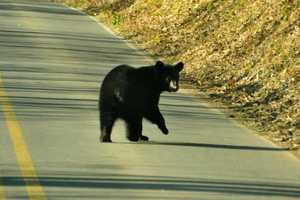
x=144, y=138
x=156, y=118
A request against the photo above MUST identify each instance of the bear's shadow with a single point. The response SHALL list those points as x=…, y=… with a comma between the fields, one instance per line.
x=207, y=145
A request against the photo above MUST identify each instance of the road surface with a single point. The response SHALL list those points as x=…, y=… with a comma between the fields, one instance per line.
x=52, y=60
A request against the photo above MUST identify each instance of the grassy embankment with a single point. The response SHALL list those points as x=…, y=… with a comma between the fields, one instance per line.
x=245, y=53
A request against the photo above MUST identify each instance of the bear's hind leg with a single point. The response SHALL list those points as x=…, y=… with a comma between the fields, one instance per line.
x=106, y=134
x=107, y=121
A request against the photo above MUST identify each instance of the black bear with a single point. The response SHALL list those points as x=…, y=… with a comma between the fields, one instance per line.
x=132, y=93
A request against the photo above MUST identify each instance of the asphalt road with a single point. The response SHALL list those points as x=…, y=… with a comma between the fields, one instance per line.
x=52, y=60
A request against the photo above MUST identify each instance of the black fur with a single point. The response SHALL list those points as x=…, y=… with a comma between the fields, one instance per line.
x=133, y=93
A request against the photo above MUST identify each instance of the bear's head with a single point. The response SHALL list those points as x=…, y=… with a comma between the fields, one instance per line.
x=168, y=75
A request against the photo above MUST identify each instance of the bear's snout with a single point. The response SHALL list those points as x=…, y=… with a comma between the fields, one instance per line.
x=173, y=86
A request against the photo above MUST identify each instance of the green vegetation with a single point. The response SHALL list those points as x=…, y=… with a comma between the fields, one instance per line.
x=245, y=53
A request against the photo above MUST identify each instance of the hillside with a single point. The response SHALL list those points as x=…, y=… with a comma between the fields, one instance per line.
x=244, y=53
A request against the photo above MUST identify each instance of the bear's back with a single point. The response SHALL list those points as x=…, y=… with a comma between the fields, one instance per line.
x=129, y=87
x=125, y=76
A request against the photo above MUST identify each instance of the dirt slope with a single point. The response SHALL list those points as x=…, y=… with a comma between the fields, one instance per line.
x=245, y=53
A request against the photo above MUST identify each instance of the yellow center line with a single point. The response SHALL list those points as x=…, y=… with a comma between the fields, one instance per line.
x=34, y=189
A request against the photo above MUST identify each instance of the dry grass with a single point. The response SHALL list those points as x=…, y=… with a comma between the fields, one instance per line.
x=245, y=53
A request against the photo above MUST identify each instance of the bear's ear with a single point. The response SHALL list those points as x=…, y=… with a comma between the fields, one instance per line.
x=159, y=65
x=179, y=66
